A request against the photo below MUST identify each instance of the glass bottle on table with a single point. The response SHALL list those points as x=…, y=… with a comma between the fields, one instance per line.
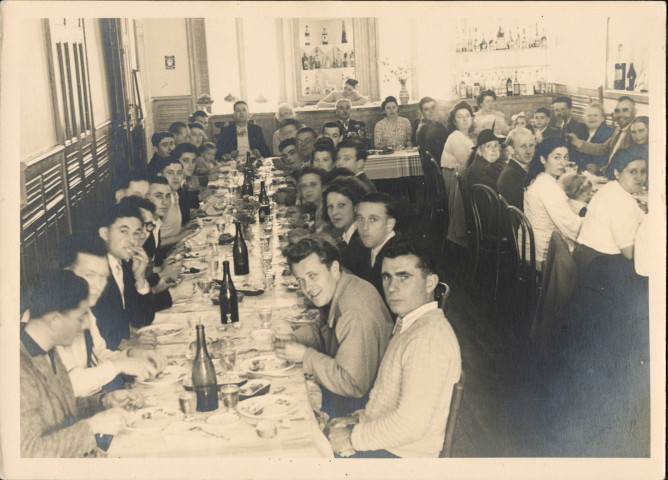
x=229, y=302
x=240, y=252
x=265, y=208
x=509, y=87
x=247, y=187
x=204, y=379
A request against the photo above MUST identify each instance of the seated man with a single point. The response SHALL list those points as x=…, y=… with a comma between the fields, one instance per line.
x=304, y=140
x=351, y=154
x=564, y=121
x=201, y=117
x=289, y=161
x=283, y=112
x=127, y=299
x=90, y=364
x=178, y=214
x=350, y=127
x=54, y=423
x=187, y=154
x=376, y=219
x=344, y=350
x=408, y=405
x=241, y=135
x=130, y=183
x=286, y=129
x=181, y=132
x=541, y=122
x=324, y=153
x=163, y=146
x=521, y=145
x=431, y=134
x=335, y=131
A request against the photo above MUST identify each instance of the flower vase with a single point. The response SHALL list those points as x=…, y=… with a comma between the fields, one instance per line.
x=404, y=96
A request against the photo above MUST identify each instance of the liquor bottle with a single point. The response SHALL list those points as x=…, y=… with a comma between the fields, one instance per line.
x=523, y=83
x=247, y=187
x=476, y=87
x=307, y=87
x=543, y=39
x=345, y=60
x=316, y=86
x=516, y=85
x=469, y=41
x=469, y=87
x=632, y=78
x=229, y=303
x=311, y=62
x=491, y=45
x=307, y=37
x=483, y=44
x=509, y=87
x=510, y=40
x=536, y=39
x=462, y=88
x=352, y=58
x=536, y=83
x=317, y=58
x=464, y=42
x=476, y=45
x=304, y=62
x=327, y=63
x=265, y=207
x=240, y=252
x=343, y=32
x=204, y=379
x=458, y=46
x=620, y=69
x=500, y=39
x=525, y=43
x=324, y=36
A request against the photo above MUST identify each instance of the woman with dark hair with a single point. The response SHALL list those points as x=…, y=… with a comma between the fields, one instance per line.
x=347, y=91
x=639, y=130
x=545, y=203
x=392, y=131
x=487, y=117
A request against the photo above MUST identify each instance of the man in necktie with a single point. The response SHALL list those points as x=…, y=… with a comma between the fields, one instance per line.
x=564, y=121
x=241, y=136
x=173, y=228
x=408, y=404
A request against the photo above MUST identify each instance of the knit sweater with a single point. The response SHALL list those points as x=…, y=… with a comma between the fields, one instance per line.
x=409, y=403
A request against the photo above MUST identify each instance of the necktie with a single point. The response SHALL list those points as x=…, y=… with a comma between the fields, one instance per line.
x=91, y=358
x=398, y=326
x=120, y=280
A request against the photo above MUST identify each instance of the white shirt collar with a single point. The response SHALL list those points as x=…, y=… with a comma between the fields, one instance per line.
x=346, y=236
x=375, y=250
x=113, y=261
x=410, y=318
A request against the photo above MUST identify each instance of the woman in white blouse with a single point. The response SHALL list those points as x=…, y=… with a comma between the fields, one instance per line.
x=458, y=147
x=545, y=203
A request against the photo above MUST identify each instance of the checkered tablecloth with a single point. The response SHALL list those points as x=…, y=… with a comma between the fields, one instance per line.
x=396, y=165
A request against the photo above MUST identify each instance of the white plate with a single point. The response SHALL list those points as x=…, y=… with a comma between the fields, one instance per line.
x=270, y=407
x=223, y=419
x=163, y=330
x=153, y=418
x=252, y=387
x=171, y=374
x=266, y=365
x=309, y=316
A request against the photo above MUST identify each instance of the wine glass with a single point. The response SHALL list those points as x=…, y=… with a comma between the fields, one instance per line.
x=221, y=224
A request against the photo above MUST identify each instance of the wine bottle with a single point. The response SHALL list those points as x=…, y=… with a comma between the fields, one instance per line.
x=265, y=208
x=204, y=380
x=516, y=85
x=247, y=187
x=307, y=37
x=632, y=78
x=500, y=39
x=240, y=252
x=509, y=87
x=229, y=303
x=324, y=36
x=343, y=32
x=483, y=44
x=620, y=69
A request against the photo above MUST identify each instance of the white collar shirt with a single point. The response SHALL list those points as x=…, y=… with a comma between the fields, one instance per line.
x=117, y=272
x=376, y=250
x=347, y=235
x=405, y=322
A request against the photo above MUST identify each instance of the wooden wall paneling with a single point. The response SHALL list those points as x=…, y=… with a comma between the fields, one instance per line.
x=104, y=169
x=170, y=109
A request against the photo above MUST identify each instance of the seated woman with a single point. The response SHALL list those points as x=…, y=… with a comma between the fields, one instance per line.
x=486, y=163
x=599, y=132
x=579, y=191
x=347, y=91
x=545, y=203
x=324, y=154
x=392, y=131
x=487, y=117
x=519, y=120
x=639, y=130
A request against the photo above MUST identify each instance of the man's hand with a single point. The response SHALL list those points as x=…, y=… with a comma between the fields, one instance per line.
x=292, y=351
x=121, y=399
x=159, y=361
x=171, y=269
x=340, y=439
x=182, y=291
x=139, y=264
x=574, y=140
x=109, y=422
x=142, y=369
x=352, y=419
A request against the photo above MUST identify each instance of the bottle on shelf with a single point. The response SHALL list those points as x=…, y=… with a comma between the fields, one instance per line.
x=536, y=39
x=458, y=46
x=327, y=63
x=345, y=60
x=311, y=62
x=462, y=88
x=483, y=44
x=620, y=69
x=516, y=85
x=316, y=86
x=500, y=39
x=352, y=58
x=323, y=37
x=265, y=206
x=491, y=45
x=525, y=42
x=304, y=62
x=469, y=87
x=307, y=37
x=470, y=41
x=307, y=87
x=476, y=45
x=240, y=252
x=476, y=87
x=509, y=87
x=204, y=379
x=518, y=40
x=632, y=78
x=229, y=302
x=316, y=59
x=344, y=39
x=536, y=83
x=543, y=39
x=524, y=89
x=510, y=40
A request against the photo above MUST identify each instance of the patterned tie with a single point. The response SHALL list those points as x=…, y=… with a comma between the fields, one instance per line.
x=398, y=326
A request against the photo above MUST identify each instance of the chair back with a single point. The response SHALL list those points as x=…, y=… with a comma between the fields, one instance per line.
x=453, y=414
x=466, y=199
x=434, y=191
x=441, y=295
x=487, y=215
x=522, y=237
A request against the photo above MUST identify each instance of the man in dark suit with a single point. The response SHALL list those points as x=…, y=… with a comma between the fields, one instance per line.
x=430, y=134
x=351, y=127
x=163, y=146
x=521, y=146
x=351, y=154
x=242, y=136
x=564, y=121
x=541, y=122
x=126, y=299
x=129, y=183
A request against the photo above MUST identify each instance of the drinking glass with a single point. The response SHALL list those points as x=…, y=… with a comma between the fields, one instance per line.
x=265, y=317
x=229, y=396
x=188, y=403
x=212, y=241
x=268, y=281
x=214, y=266
x=269, y=224
x=228, y=358
x=220, y=225
x=203, y=285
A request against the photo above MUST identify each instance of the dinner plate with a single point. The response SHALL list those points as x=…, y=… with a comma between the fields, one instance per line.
x=267, y=407
x=163, y=330
x=308, y=316
x=153, y=418
x=266, y=365
x=254, y=388
x=171, y=374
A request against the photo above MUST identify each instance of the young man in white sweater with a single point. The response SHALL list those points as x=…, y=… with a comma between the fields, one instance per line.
x=410, y=400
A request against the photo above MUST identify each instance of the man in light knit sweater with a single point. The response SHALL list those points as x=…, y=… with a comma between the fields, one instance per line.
x=344, y=350
x=410, y=400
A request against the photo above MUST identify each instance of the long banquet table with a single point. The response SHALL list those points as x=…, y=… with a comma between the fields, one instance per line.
x=298, y=434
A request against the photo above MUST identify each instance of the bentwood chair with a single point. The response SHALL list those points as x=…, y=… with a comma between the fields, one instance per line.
x=453, y=414
x=441, y=295
x=434, y=209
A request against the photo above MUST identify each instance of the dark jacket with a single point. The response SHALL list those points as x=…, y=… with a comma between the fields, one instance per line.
x=483, y=172
x=355, y=256
x=227, y=140
x=434, y=140
x=354, y=126
x=511, y=182
x=187, y=200
x=364, y=179
x=603, y=133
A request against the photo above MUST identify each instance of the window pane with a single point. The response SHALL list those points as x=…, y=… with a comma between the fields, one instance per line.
x=221, y=47
x=261, y=63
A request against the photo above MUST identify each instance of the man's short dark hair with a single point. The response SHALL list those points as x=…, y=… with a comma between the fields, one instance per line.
x=140, y=202
x=239, y=102
x=307, y=129
x=544, y=110
x=125, y=177
x=565, y=100
x=198, y=113
x=287, y=142
x=90, y=243
x=350, y=142
x=305, y=170
x=184, y=148
x=123, y=209
x=351, y=187
x=176, y=127
x=398, y=247
x=289, y=121
x=159, y=180
x=55, y=291
x=324, y=144
x=325, y=250
x=196, y=125
x=627, y=98
x=424, y=100
x=163, y=163
x=335, y=173
x=382, y=198
x=207, y=146
x=342, y=131
x=157, y=137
